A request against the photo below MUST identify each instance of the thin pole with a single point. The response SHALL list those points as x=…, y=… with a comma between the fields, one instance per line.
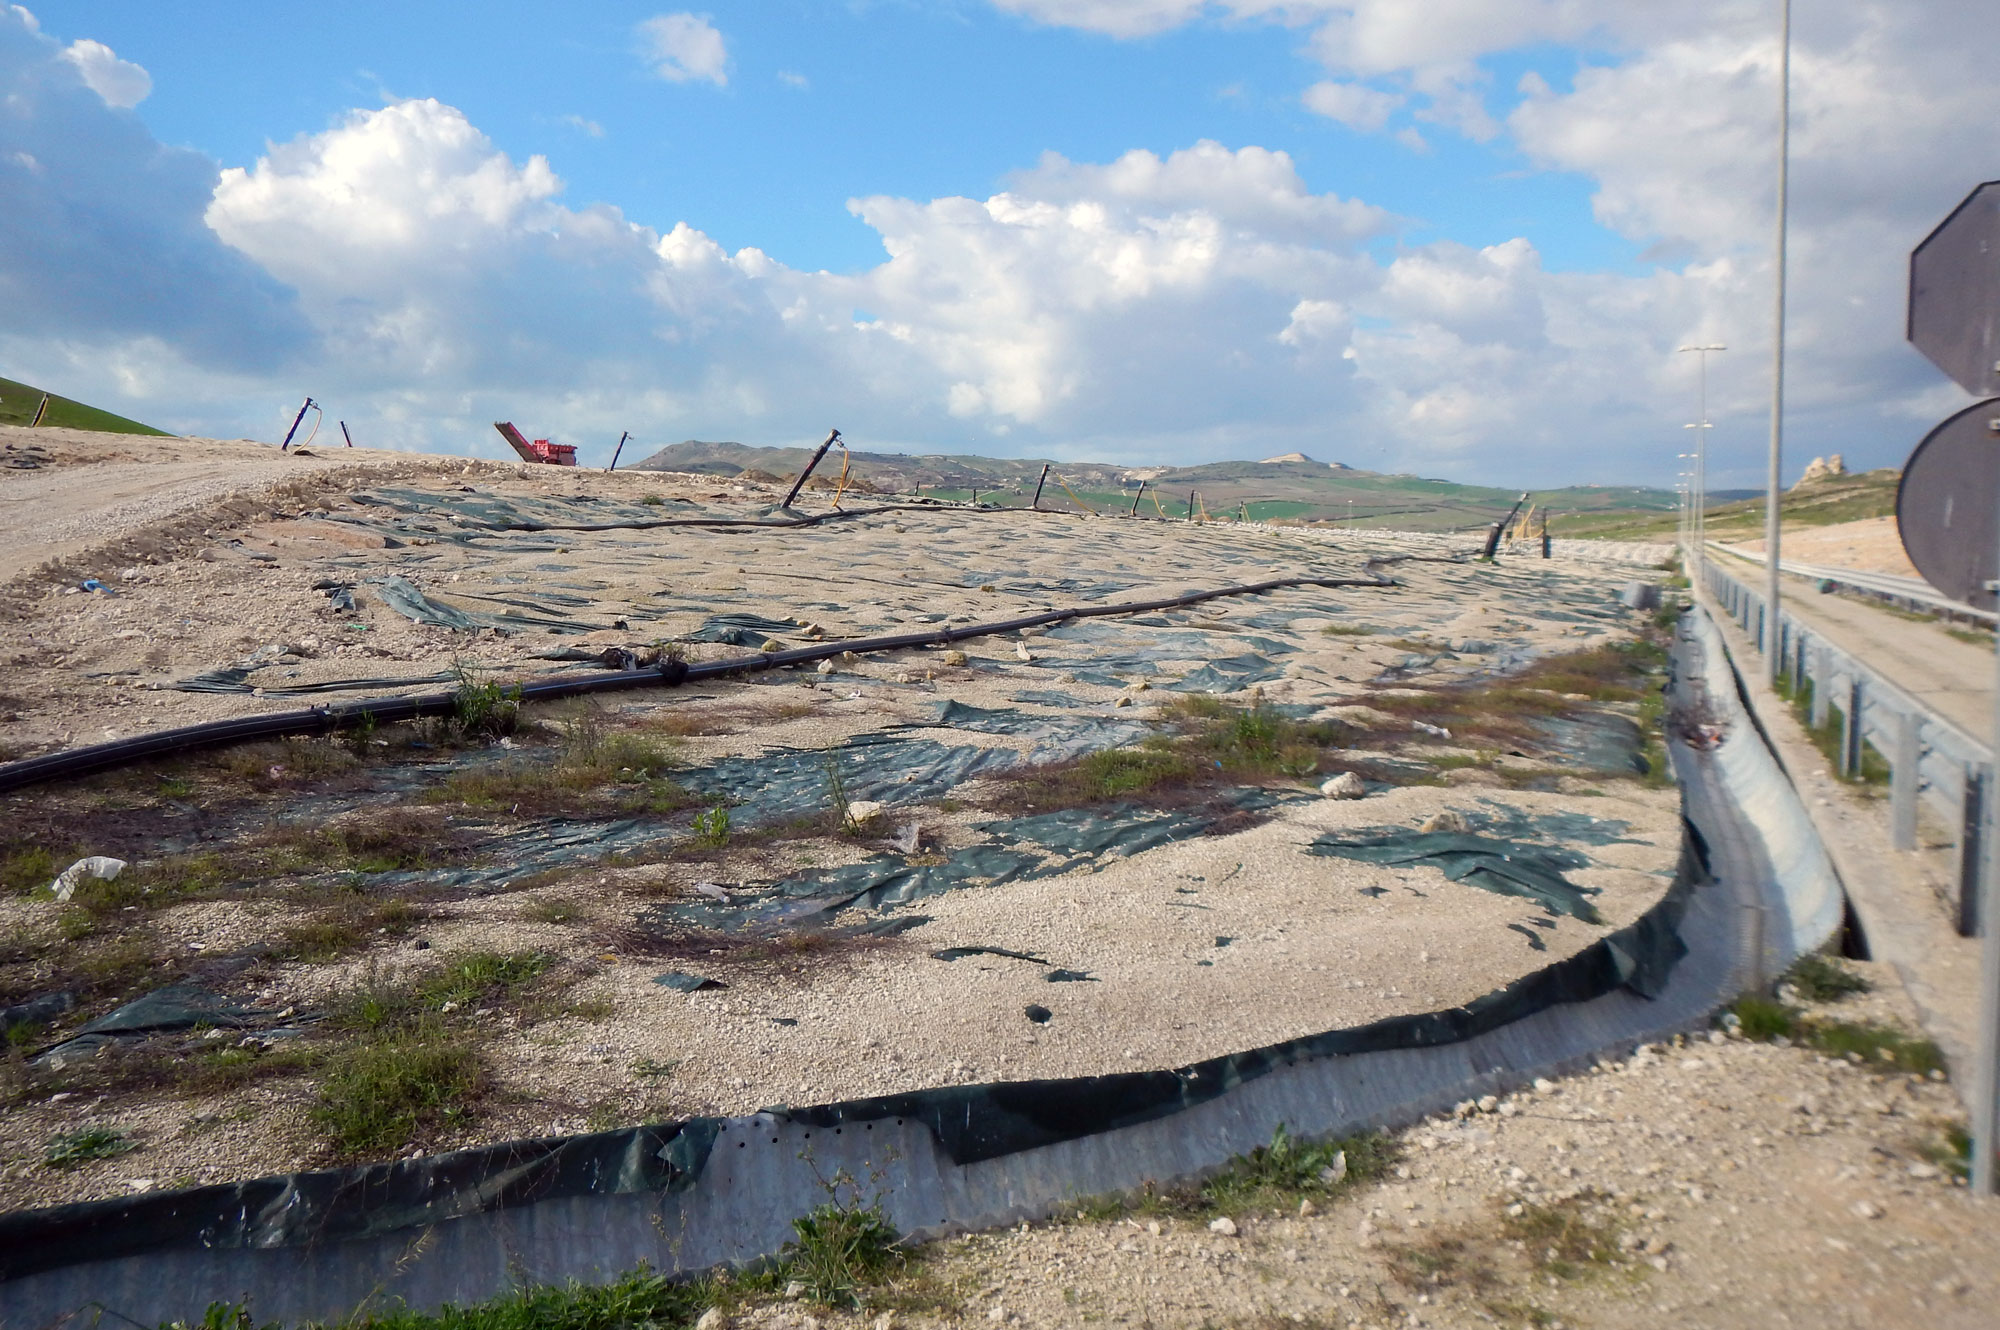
x=1774, y=496
x=1043, y=480
x=345, y=435
x=1986, y=1057
x=1135, y=499
x=623, y=435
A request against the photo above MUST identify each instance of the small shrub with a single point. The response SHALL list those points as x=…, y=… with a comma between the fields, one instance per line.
x=86, y=1145
x=481, y=707
x=653, y=501
x=711, y=826
x=1348, y=630
x=839, y=1250
x=551, y=911
x=29, y=868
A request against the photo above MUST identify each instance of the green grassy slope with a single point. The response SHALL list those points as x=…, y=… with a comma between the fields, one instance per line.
x=18, y=402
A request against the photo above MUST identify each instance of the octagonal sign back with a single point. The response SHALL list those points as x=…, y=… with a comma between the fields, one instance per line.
x=1944, y=505
x=1955, y=293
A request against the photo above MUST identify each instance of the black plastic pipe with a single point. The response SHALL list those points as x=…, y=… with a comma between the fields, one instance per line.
x=74, y=762
x=799, y=484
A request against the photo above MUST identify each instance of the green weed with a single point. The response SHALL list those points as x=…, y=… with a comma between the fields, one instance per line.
x=1566, y=1240
x=377, y=1096
x=837, y=1251
x=711, y=826
x=74, y=1149
x=1820, y=978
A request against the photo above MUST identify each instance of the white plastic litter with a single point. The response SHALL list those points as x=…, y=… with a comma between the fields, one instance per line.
x=96, y=866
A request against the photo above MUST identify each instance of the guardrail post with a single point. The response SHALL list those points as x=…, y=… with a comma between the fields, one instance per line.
x=1971, y=843
x=1903, y=784
x=1850, y=731
x=1801, y=641
x=1822, y=699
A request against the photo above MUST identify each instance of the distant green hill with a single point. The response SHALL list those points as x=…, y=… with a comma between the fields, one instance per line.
x=1292, y=487
x=20, y=401
x=1737, y=515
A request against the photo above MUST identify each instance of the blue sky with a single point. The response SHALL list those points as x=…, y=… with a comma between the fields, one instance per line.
x=1462, y=243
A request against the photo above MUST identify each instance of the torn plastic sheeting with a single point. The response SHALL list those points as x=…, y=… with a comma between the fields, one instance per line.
x=404, y=598
x=175, y=1007
x=682, y=982
x=960, y=953
x=1597, y=741
x=1231, y=674
x=970, y=1123
x=742, y=630
x=1058, y=738
x=38, y=1010
x=886, y=768
x=1020, y=849
x=1506, y=868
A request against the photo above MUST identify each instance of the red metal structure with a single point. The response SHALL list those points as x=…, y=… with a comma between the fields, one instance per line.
x=540, y=450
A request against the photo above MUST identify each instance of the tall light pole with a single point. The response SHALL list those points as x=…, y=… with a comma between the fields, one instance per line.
x=1774, y=496
x=1701, y=428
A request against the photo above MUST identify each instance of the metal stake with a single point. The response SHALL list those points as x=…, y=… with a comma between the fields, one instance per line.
x=1135, y=499
x=832, y=436
x=622, y=436
x=1037, y=504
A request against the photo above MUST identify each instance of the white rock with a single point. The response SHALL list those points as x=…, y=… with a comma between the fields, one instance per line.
x=861, y=812
x=954, y=658
x=1021, y=651
x=826, y=667
x=1336, y=1171
x=712, y=1319
x=1225, y=1226
x=1307, y=1209
x=99, y=866
x=1450, y=820
x=1346, y=785
x=1543, y=1085
x=1867, y=1209
x=795, y=1289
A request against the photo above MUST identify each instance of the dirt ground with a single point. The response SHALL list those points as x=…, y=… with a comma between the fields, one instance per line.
x=1870, y=545
x=258, y=880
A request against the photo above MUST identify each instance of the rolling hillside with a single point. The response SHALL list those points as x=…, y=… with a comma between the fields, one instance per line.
x=19, y=402
x=1293, y=487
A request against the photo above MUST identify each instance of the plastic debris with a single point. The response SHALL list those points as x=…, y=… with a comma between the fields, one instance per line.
x=99, y=866
x=1040, y=1015
x=682, y=982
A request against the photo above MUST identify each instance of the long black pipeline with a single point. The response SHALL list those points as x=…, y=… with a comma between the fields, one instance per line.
x=74, y=762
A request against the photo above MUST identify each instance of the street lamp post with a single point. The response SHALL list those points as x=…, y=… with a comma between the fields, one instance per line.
x=1773, y=494
x=1701, y=428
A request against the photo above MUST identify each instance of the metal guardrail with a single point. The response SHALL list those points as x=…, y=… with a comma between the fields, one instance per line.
x=1932, y=760
x=1913, y=592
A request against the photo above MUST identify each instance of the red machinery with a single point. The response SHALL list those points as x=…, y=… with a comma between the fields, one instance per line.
x=541, y=450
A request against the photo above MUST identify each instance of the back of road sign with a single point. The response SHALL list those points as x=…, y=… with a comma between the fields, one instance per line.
x=1944, y=505
x=1955, y=293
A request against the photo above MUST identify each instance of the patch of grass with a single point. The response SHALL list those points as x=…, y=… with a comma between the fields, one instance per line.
x=1763, y=1018
x=346, y=927
x=1567, y=1240
x=482, y=708
x=220, y=1070
x=1828, y=738
x=377, y=1096
x=1349, y=630
x=1951, y=1150
x=285, y=762
x=382, y=841
x=1443, y=1260
x=1271, y=1178
x=652, y=501
x=29, y=868
x=86, y=1145
x=1214, y=743
x=1820, y=978
x=838, y=1250
x=1876, y=1047
x=551, y=912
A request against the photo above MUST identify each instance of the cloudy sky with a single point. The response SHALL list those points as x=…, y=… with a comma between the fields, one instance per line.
x=1458, y=237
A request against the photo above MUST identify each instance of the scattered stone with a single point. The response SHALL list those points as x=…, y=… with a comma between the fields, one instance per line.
x=795, y=1289
x=1450, y=820
x=712, y=1319
x=826, y=667
x=1346, y=785
x=1307, y=1209
x=1021, y=652
x=1867, y=1209
x=861, y=812
x=955, y=658
x=1335, y=1172
x=1225, y=1226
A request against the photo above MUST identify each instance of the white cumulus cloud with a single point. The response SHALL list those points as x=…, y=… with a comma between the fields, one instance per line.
x=1352, y=104
x=685, y=48
x=119, y=82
